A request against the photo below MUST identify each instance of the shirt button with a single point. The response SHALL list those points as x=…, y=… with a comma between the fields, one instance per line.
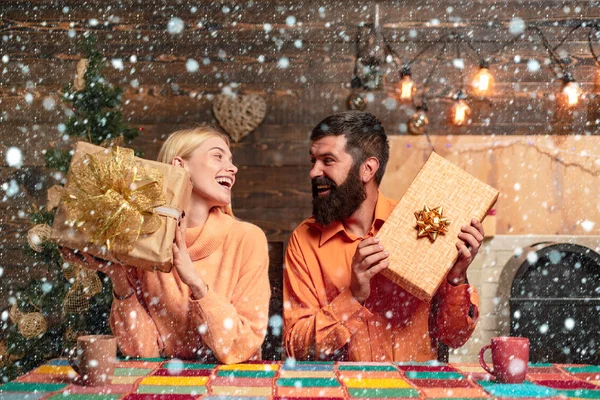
x=359, y=319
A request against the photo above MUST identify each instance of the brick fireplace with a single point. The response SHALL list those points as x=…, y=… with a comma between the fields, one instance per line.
x=489, y=273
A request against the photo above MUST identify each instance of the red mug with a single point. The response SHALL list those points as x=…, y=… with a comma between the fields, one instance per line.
x=96, y=356
x=509, y=357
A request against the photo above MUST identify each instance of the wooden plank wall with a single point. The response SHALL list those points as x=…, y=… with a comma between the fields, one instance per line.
x=240, y=45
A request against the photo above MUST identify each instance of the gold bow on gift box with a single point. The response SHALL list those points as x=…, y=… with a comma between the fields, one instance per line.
x=431, y=222
x=111, y=198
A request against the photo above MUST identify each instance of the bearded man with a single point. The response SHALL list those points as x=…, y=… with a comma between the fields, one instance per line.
x=337, y=306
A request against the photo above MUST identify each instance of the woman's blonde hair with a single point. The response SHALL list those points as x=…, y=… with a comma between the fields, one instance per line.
x=183, y=143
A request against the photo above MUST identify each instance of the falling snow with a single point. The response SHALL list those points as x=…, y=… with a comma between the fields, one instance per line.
x=175, y=26
x=192, y=65
x=14, y=157
x=569, y=323
x=301, y=56
x=516, y=26
x=49, y=103
x=283, y=63
x=588, y=225
x=117, y=63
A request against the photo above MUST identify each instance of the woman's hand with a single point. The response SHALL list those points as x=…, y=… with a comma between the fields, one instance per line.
x=184, y=265
x=116, y=272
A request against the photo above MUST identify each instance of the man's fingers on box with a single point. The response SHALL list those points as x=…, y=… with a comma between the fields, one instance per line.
x=368, y=242
x=377, y=268
x=464, y=251
x=375, y=258
x=369, y=250
x=470, y=239
x=474, y=232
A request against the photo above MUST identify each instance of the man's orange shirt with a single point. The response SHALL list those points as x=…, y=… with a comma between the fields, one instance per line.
x=322, y=320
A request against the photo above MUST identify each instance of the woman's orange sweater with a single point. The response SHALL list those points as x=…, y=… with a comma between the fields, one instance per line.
x=162, y=318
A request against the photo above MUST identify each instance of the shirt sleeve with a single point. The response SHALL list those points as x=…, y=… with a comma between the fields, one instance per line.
x=312, y=330
x=234, y=329
x=456, y=313
x=130, y=322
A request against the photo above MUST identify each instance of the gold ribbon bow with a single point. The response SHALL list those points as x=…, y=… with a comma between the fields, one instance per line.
x=111, y=198
x=431, y=222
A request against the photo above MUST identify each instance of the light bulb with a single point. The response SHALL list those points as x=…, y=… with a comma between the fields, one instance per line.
x=483, y=81
x=571, y=92
x=460, y=113
x=405, y=88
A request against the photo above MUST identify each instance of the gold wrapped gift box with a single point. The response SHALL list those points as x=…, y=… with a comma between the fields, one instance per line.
x=121, y=208
x=422, y=255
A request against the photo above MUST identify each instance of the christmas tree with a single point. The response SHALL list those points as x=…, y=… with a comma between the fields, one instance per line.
x=69, y=300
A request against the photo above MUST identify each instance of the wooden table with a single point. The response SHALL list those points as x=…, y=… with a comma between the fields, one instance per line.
x=173, y=379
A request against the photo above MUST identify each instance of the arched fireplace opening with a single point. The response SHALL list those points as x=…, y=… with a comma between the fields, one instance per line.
x=555, y=302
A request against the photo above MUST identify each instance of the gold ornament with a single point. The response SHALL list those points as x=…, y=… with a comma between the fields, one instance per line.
x=430, y=222
x=71, y=335
x=110, y=198
x=37, y=235
x=86, y=284
x=79, y=82
x=356, y=101
x=418, y=123
x=32, y=325
x=29, y=325
x=15, y=314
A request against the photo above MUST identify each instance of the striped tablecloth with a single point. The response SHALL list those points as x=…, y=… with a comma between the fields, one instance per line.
x=173, y=379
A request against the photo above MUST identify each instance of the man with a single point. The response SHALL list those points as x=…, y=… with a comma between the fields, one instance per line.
x=336, y=304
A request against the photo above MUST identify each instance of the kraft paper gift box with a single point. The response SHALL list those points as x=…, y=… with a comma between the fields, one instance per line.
x=490, y=224
x=420, y=264
x=121, y=208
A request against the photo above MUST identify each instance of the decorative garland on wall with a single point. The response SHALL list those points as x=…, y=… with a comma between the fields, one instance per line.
x=549, y=151
x=375, y=60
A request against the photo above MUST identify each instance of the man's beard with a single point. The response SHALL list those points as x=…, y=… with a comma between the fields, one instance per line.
x=342, y=201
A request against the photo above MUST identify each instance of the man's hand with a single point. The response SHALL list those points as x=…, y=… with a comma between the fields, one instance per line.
x=468, y=246
x=369, y=259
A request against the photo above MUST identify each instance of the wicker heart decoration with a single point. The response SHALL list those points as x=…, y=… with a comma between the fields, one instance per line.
x=239, y=115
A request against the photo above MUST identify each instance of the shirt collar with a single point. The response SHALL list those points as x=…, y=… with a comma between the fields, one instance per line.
x=383, y=209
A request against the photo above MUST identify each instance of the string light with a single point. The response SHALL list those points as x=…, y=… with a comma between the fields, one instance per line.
x=373, y=63
x=419, y=122
x=406, y=88
x=570, y=92
x=483, y=80
x=356, y=100
x=460, y=111
x=375, y=56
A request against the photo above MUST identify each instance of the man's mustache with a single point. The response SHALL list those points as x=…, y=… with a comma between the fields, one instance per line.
x=322, y=181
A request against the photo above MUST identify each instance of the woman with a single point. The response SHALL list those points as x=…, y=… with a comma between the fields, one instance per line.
x=214, y=303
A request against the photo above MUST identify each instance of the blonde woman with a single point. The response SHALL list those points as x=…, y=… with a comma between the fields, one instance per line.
x=214, y=303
